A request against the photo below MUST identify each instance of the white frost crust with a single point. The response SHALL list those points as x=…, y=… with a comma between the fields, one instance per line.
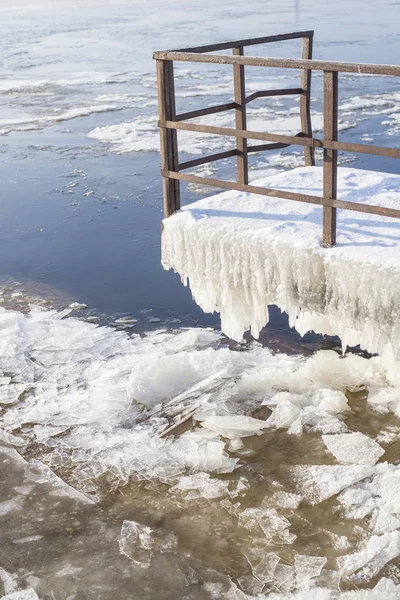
x=242, y=253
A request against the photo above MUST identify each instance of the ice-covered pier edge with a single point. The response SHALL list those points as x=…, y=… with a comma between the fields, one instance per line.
x=241, y=253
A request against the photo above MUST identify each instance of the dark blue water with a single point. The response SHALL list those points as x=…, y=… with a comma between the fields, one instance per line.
x=103, y=248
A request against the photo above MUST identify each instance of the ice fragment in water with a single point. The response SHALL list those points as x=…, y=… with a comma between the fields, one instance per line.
x=328, y=579
x=14, y=504
x=355, y=448
x=234, y=593
x=285, y=577
x=77, y=306
x=370, y=560
x=6, y=582
x=26, y=540
x=235, y=426
x=287, y=499
x=319, y=482
x=251, y=585
x=315, y=410
x=269, y=521
x=126, y=321
x=28, y=594
x=235, y=445
x=136, y=543
x=263, y=564
x=201, y=485
x=307, y=567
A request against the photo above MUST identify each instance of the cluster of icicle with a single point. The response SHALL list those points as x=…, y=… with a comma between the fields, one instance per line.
x=241, y=275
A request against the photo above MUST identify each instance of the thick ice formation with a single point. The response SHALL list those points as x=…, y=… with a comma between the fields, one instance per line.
x=241, y=253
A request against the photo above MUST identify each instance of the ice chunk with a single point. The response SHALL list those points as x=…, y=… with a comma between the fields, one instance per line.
x=68, y=570
x=126, y=321
x=328, y=579
x=136, y=543
x=235, y=426
x=28, y=594
x=201, y=485
x=7, y=584
x=263, y=564
x=251, y=585
x=316, y=483
x=371, y=559
x=314, y=410
x=159, y=377
x=385, y=400
x=28, y=539
x=234, y=593
x=285, y=577
x=235, y=445
x=269, y=521
x=14, y=504
x=355, y=448
x=77, y=306
x=287, y=499
x=307, y=567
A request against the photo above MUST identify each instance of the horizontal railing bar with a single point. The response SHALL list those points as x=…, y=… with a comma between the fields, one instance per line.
x=230, y=185
x=248, y=42
x=267, y=93
x=262, y=147
x=210, y=110
x=282, y=63
x=239, y=133
x=287, y=140
x=189, y=164
x=363, y=149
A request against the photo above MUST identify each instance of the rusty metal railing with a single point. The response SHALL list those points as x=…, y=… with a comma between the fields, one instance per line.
x=170, y=123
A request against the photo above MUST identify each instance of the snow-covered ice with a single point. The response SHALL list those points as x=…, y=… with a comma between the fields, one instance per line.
x=234, y=426
x=241, y=253
x=354, y=448
x=316, y=483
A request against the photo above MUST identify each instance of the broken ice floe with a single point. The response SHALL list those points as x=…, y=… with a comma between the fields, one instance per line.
x=139, y=543
x=354, y=447
x=136, y=543
x=234, y=426
x=315, y=411
x=97, y=400
x=316, y=483
x=27, y=594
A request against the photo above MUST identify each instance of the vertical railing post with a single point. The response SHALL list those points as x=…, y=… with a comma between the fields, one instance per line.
x=330, y=157
x=305, y=100
x=168, y=137
x=240, y=117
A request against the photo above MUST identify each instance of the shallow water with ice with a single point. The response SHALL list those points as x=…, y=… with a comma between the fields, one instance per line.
x=178, y=464
x=141, y=457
